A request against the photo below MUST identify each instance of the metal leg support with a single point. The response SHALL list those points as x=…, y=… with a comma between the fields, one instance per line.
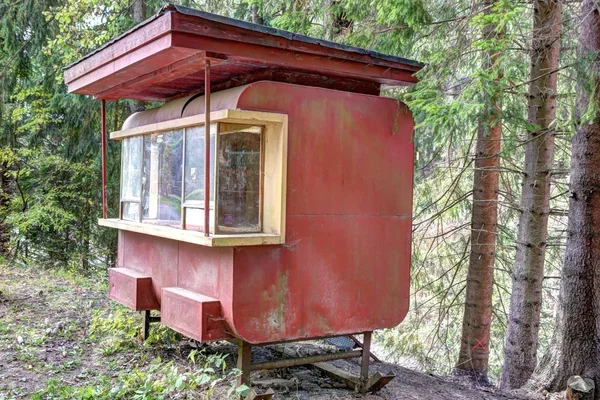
x=362, y=383
x=243, y=363
x=375, y=382
x=148, y=319
x=366, y=355
x=146, y=331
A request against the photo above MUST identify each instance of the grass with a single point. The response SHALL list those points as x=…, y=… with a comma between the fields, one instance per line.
x=60, y=338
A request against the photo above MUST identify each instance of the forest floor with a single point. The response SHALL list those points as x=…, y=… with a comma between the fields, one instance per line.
x=61, y=338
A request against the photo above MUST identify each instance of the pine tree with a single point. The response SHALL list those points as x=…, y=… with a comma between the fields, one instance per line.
x=475, y=341
x=575, y=343
x=522, y=338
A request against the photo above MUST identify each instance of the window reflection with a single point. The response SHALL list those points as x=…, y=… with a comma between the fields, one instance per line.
x=131, y=158
x=163, y=154
x=239, y=181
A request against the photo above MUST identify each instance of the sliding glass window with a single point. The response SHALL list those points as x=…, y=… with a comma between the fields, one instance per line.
x=162, y=179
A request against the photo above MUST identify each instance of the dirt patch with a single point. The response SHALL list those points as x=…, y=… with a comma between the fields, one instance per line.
x=42, y=326
x=304, y=383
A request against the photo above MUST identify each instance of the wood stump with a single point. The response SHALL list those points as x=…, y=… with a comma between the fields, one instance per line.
x=579, y=388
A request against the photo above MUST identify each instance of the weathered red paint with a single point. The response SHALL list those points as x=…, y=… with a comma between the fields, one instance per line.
x=192, y=314
x=158, y=259
x=163, y=75
x=346, y=263
x=132, y=289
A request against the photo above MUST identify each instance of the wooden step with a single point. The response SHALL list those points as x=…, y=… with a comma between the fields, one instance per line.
x=192, y=314
x=132, y=288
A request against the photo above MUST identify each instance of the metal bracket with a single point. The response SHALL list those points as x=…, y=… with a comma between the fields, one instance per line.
x=376, y=382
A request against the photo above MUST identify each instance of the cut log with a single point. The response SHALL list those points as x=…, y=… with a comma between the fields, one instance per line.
x=579, y=388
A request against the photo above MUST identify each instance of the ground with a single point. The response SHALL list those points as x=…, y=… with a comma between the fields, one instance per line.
x=61, y=338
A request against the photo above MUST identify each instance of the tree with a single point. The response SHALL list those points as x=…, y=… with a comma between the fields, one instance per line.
x=576, y=338
x=451, y=105
x=51, y=139
x=23, y=33
x=138, y=11
x=475, y=340
x=520, y=349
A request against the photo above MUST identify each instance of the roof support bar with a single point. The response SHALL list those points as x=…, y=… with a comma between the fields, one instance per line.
x=103, y=149
x=207, y=147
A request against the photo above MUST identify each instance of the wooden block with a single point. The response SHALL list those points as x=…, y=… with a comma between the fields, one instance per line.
x=351, y=381
x=192, y=314
x=131, y=288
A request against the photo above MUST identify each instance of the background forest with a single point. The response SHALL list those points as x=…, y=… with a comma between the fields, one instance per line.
x=504, y=90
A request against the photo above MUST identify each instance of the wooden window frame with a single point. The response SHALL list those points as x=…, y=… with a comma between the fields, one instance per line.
x=200, y=206
x=273, y=180
x=255, y=128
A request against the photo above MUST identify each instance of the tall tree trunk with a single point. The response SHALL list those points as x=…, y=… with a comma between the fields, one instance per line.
x=138, y=10
x=575, y=345
x=4, y=229
x=7, y=179
x=328, y=18
x=475, y=339
x=6, y=192
x=256, y=18
x=520, y=349
x=138, y=14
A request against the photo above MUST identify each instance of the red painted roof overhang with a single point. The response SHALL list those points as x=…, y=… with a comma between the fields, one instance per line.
x=163, y=58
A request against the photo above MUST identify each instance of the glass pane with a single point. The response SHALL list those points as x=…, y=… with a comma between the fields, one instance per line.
x=194, y=165
x=131, y=211
x=131, y=168
x=239, y=181
x=163, y=154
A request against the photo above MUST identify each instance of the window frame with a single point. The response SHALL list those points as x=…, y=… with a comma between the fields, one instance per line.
x=272, y=184
x=132, y=200
x=200, y=206
x=235, y=231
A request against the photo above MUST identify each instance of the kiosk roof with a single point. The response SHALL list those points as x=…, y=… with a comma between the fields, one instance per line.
x=163, y=58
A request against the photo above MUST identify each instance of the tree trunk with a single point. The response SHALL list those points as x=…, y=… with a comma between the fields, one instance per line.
x=520, y=349
x=6, y=191
x=138, y=10
x=475, y=339
x=7, y=180
x=138, y=14
x=328, y=19
x=256, y=18
x=575, y=344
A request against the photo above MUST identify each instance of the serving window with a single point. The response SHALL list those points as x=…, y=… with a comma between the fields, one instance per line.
x=162, y=176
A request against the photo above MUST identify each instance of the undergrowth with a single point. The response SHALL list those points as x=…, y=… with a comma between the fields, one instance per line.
x=89, y=348
x=159, y=380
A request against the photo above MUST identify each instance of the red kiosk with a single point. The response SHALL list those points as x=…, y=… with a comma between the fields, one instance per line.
x=306, y=228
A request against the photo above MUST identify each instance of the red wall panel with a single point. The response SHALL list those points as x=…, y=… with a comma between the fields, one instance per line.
x=345, y=267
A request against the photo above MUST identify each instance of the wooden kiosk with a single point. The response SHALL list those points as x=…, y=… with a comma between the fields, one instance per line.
x=306, y=228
